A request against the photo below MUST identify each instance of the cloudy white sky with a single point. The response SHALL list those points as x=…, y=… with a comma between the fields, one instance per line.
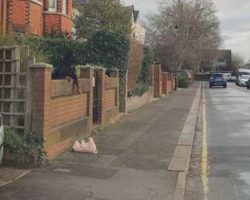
x=234, y=16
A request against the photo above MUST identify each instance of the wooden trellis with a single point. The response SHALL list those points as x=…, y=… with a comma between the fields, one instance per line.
x=13, y=84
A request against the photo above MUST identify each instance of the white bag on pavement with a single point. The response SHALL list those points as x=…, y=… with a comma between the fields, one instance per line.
x=85, y=147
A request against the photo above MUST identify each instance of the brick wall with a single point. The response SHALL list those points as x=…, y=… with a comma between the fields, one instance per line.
x=35, y=18
x=66, y=24
x=167, y=86
x=60, y=119
x=157, y=81
x=17, y=21
x=61, y=115
x=163, y=82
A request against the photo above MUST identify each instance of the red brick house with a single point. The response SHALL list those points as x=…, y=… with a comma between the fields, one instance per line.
x=35, y=17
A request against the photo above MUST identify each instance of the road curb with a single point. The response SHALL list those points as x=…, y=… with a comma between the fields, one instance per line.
x=180, y=161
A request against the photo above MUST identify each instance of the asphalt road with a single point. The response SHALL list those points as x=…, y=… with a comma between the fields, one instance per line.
x=228, y=133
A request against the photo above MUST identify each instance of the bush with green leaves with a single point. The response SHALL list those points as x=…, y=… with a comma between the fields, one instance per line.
x=183, y=82
x=108, y=49
x=26, y=149
x=147, y=62
x=139, y=90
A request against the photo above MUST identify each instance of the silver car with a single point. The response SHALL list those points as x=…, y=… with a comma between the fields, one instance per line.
x=242, y=80
x=1, y=138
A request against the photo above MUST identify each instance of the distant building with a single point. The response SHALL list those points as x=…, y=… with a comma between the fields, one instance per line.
x=138, y=31
x=222, y=61
x=36, y=17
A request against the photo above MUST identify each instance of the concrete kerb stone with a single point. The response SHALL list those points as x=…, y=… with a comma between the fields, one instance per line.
x=179, y=164
x=181, y=158
x=188, y=130
x=179, y=194
x=186, y=140
x=182, y=151
x=180, y=186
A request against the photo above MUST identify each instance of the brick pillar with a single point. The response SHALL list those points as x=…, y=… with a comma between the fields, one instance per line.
x=40, y=74
x=114, y=73
x=88, y=73
x=164, y=82
x=101, y=89
x=157, y=81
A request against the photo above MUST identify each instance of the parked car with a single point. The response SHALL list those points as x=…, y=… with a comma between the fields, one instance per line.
x=1, y=138
x=248, y=84
x=232, y=79
x=227, y=75
x=242, y=80
x=217, y=79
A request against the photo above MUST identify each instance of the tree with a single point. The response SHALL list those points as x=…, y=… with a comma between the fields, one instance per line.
x=237, y=61
x=183, y=33
x=105, y=15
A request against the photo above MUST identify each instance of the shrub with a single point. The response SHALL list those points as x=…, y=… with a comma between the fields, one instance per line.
x=139, y=90
x=147, y=61
x=183, y=82
x=108, y=49
x=25, y=150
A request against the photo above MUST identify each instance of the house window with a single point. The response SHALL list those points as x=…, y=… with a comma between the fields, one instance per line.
x=52, y=5
x=64, y=7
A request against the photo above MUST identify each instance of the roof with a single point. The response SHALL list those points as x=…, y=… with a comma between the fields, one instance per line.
x=134, y=12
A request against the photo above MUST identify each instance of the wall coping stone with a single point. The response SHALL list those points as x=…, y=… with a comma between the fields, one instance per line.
x=85, y=67
x=42, y=65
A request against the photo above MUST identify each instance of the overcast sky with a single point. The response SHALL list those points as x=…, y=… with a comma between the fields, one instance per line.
x=234, y=16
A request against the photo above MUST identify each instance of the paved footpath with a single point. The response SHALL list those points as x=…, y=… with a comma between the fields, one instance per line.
x=132, y=163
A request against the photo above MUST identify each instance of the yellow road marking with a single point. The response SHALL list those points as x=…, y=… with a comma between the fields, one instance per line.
x=204, y=156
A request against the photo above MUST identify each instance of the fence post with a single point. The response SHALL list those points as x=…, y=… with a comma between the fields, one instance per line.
x=88, y=73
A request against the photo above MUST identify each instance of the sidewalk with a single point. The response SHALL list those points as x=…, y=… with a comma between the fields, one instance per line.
x=132, y=163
